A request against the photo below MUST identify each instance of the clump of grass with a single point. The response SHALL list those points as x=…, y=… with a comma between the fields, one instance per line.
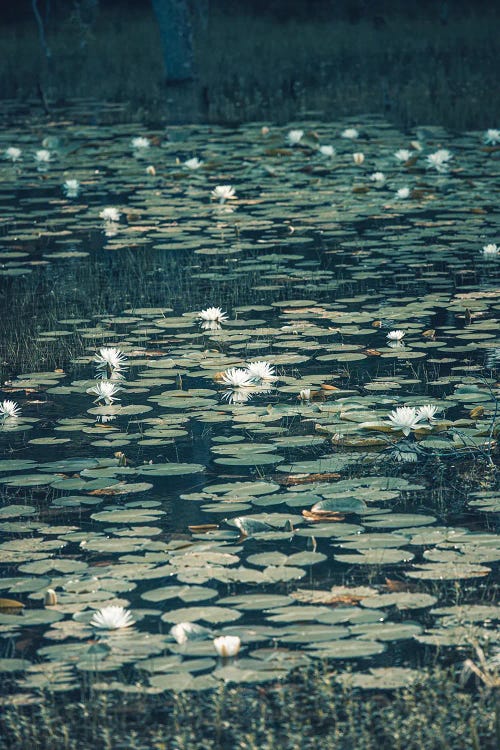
x=309, y=711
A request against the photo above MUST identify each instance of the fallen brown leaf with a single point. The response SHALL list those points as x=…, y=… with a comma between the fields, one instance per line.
x=292, y=479
x=477, y=412
x=10, y=606
x=324, y=516
x=393, y=585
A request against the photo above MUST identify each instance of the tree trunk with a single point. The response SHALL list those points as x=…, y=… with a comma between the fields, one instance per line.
x=176, y=38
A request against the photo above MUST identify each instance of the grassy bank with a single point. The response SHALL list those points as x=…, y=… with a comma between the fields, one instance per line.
x=413, y=69
x=311, y=712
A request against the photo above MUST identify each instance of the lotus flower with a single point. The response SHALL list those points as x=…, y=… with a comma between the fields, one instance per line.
x=294, y=137
x=71, y=188
x=439, y=160
x=427, y=412
x=396, y=335
x=261, y=371
x=9, y=409
x=13, y=153
x=404, y=418
x=351, y=133
x=491, y=250
x=403, y=155
x=236, y=377
x=212, y=315
x=305, y=394
x=223, y=193
x=193, y=163
x=227, y=645
x=140, y=143
x=112, y=618
x=378, y=178
x=403, y=193
x=327, y=151
x=110, y=214
x=111, y=361
x=358, y=158
x=492, y=136
x=43, y=157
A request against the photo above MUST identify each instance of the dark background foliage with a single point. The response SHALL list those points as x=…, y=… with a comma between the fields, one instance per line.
x=419, y=61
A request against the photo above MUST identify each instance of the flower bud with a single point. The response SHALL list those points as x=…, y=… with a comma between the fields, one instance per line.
x=50, y=598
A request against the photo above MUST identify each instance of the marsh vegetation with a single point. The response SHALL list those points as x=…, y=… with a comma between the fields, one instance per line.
x=332, y=509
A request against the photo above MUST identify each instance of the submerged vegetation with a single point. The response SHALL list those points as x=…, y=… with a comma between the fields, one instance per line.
x=249, y=430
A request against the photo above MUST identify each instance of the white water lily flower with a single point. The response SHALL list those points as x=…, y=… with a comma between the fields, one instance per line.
x=110, y=214
x=110, y=359
x=223, y=193
x=71, y=188
x=227, y=645
x=193, y=163
x=305, y=394
x=378, y=178
x=43, y=156
x=140, y=143
x=492, y=136
x=13, y=153
x=236, y=377
x=491, y=249
x=402, y=155
x=396, y=335
x=213, y=314
x=427, y=412
x=439, y=159
x=261, y=371
x=327, y=151
x=358, y=158
x=105, y=391
x=112, y=618
x=404, y=418
x=403, y=193
x=294, y=137
x=351, y=133
x=9, y=409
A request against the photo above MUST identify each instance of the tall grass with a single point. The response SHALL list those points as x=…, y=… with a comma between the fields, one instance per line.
x=309, y=712
x=411, y=68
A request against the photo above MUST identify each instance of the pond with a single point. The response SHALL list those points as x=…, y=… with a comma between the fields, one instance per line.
x=250, y=389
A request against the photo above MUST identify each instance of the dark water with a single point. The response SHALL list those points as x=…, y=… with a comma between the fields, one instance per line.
x=314, y=265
